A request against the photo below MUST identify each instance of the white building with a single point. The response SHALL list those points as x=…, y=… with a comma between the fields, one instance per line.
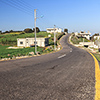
x=97, y=37
x=51, y=30
x=89, y=44
x=86, y=35
x=76, y=33
x=28, y=42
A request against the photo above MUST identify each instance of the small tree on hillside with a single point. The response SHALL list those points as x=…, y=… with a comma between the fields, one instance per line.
x=11, y=31
x=37, y=30
x=28, y=30
x=0, y=32
x=6, y=32
x=96, y=34
x=66, y=30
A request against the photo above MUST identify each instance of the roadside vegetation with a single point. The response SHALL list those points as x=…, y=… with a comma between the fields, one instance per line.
x=95, y=52
x=10, y=39
x=97, y=56
x=76, y=40
x=10, y=53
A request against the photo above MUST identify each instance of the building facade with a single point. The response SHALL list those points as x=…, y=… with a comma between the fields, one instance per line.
x=28, y=42
x=97, y=37
x=86, y=35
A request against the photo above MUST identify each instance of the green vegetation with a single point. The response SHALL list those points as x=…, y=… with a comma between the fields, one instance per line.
x=28, y=30
x=9, y=53
x=10, y=39
x=97, y=56
x=76, y=40
x=66, y=30
x=59, y=35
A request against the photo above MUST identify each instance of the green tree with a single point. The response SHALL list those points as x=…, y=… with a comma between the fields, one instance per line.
x=96, y=34
x=6, y=32
x=0, y=32
x=37, y=30
x=11, y=31
x=28, y=30
x=66, y=30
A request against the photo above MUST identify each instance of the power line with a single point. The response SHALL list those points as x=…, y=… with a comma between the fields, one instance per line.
x=30, y=6
x=18, y=5
x=27, y=7
x=18, y=8
x=23, y=7
x=26, y=4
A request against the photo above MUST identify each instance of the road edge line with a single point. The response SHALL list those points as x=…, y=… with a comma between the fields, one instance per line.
x=97, y=75
x=97, y=78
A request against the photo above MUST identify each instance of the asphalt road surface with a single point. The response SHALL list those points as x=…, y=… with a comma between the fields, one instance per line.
x=65, y=75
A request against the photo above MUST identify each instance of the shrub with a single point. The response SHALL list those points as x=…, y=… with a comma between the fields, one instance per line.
x=37, y=30
x=66, y=30
x=60, y=35
x=28, y=30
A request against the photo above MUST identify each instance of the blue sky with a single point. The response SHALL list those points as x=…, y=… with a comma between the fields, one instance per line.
x=76, y=15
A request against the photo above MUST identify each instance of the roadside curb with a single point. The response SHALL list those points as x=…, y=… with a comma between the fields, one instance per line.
x=97, y=78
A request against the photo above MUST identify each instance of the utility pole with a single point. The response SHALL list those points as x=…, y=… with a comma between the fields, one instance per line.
x=35, y=30
x=54, y=38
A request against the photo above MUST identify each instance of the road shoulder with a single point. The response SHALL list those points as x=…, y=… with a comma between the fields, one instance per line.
x=97, y=73
x=97, y=78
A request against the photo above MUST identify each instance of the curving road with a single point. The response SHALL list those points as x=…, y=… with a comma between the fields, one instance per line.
x=65, y=75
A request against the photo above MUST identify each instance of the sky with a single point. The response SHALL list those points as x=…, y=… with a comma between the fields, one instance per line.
x=75, y=15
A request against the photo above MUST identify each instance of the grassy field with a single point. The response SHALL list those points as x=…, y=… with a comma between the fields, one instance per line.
x=9, y=53
x=10, y=39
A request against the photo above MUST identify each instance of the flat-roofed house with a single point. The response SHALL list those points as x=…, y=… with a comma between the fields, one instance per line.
x=86, y=35
x=51, y=30
x=28, y=42
x=97, y=37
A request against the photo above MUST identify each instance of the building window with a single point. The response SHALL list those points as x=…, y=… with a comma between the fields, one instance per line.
x=26, y=40
x=21, y=42
x=36, y=42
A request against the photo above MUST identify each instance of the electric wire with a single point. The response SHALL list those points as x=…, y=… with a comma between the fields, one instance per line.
x=17, y=5
x=30, y=6
x=18, y=8
x=24, y=7
x=26, y=4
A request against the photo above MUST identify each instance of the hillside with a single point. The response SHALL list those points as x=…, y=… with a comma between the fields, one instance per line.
x=11, y=38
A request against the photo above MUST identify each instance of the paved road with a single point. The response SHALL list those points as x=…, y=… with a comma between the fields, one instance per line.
x=65, y=75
